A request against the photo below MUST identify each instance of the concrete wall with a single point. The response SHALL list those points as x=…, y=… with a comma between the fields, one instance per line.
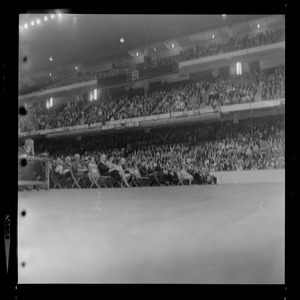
x=257, y=176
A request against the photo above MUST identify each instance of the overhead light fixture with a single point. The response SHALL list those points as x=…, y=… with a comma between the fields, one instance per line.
x=173, y=46
x=50, y=74
x=122, y=40
x=50, y=58
x=137, y=54
x=25, y=25
x=52, y=16
x=32, y=23
x=38, y=21
x=213, y=36
x=258, y=26
x=76, y=68
x=46, y=18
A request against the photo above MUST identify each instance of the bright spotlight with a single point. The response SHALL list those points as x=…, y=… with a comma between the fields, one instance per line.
x=173, y=46
x=52, y=16
x=213, y=36
x=25, y=25
x=50, y=58
x=46, y=18
x=38, y=21
x=122, y=40
x=258, y=26
x=32, y=23
x=137, y=54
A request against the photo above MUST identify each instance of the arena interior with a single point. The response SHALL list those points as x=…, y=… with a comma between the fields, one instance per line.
x=151, y=149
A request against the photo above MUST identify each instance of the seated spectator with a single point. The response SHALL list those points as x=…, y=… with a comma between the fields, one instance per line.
x=77, y=168
x=61, y=170
x=60, y=167
x=93, y=170
x=169, y=175
x=143, y=168
x=125, y=176
x=185, y=175
x=106, y=171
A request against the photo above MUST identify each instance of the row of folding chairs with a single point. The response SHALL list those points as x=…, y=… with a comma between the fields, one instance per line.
x=94, y=178
x=86, y=180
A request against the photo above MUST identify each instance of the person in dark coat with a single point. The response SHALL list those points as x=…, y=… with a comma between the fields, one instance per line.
x=145, y=173
x=105, y=170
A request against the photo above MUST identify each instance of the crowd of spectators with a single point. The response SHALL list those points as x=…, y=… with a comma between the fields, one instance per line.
x=209, y=147
x=116, y=70
x=273, y=85
x=183, y=96
x=139, y=106
x=198, y=51
x=228, y=92
x=192, y=159
x=167, y=98
x=232, y=44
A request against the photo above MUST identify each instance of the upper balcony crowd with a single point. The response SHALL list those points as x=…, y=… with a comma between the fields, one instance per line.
x=194, y=52
x=164, y=98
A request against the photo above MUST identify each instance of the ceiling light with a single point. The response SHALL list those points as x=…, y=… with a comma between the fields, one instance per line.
x=173, y=45
x=52, y=16
x=46, y=18
x=154, y=49
x=258, y=26
x=50, y=58
x=137, y=54
x=38, y=21
x=213, y=36
x=50, y=74
x=25, y=25
x=32, y=23
x=76, y=68
x=122, y=40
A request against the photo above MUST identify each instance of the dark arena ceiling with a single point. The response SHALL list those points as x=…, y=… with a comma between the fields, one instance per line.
x=73, y=39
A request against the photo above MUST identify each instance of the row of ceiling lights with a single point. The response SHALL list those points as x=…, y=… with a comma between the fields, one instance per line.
x=38, y=21
x=122, y=40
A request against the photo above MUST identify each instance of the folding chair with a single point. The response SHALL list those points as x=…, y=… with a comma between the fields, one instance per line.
x=106, y=180
x=180, y=180
x=144, y=180
x=94, y=175
x=77, y=179
x=54, y=178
